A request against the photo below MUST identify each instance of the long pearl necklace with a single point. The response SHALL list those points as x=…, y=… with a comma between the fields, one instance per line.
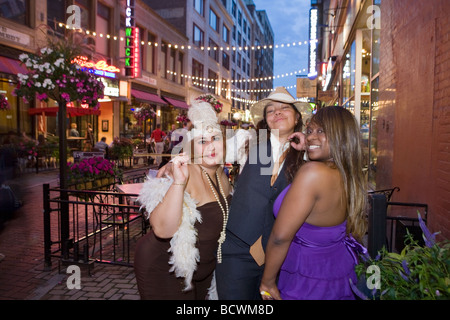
x=224, y=211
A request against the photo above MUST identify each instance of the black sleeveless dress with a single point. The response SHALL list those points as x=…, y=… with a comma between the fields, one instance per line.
x=151, y=262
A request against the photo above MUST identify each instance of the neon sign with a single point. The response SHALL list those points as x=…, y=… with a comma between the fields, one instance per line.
x=312, y=57
x=100, y=68
x=132, y=53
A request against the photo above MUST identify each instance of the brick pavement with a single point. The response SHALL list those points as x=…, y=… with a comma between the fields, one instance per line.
x=22, y=274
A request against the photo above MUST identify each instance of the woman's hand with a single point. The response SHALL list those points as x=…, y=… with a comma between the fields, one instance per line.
x=269, y=292
x=298, y=141
x=180, y=169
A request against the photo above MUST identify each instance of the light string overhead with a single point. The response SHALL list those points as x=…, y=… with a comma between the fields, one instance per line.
x=287, y=74
x=193, y=46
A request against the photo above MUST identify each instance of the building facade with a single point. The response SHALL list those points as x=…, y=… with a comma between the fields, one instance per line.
x=223, y=58
x=185, y=49
x=385, y=61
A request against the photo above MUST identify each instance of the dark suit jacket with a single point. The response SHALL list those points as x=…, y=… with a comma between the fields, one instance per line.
x=251, y=211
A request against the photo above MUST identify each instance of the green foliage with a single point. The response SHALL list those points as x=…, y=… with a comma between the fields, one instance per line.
x=122, y=148
x=416, y=273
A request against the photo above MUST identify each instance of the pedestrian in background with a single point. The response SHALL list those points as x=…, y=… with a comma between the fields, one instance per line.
x=157, y=137
x=320, y=216
x=73, y=131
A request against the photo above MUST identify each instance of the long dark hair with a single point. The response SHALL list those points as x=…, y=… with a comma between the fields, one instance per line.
x=294, y=158
x=344, y=138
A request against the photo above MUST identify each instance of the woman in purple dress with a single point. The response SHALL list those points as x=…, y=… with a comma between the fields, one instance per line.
x=320, y=216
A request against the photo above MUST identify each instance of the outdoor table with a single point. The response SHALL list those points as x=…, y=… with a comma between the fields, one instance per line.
x=75, y=142
x=134, y=188
x=130, y=188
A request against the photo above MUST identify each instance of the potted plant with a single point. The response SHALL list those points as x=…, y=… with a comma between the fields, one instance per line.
x=121, y=149
x=416, y=273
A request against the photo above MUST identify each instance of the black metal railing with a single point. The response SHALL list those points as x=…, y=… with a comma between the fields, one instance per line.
x=390, y=221
x=82, y=227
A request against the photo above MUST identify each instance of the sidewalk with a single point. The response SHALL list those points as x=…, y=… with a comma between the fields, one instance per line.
x=22, y=275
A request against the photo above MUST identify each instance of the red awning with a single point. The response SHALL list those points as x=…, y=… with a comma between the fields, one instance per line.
x=71, y=111
x=11, y=66
x=147, y=97
x=176, y=103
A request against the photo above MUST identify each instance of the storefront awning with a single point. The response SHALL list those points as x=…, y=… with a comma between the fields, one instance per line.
x=71, y=111
x=176, y=103
x=147, y=97
x=11, y=66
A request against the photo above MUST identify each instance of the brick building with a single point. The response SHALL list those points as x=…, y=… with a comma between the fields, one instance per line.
x=414, y=113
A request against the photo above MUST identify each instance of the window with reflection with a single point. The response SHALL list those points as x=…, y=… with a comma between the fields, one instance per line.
x=16, y=10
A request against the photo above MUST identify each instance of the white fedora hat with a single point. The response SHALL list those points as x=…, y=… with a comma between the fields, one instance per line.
x=280, y=94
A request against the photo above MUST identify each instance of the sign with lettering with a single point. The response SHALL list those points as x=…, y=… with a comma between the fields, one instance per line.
x=312, y=57
x=132, y=43
x=80, y=155
x=100, y=68
x=14, y=36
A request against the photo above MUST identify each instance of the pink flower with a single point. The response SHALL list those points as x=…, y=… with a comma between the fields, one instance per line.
x=65, y=96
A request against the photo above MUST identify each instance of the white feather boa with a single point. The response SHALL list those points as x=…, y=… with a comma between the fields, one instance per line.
x=185, y=254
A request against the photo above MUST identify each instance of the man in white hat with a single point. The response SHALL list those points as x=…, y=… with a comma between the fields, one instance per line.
x=251, y=217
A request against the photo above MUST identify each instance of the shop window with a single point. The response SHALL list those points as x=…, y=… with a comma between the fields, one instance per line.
x=180, y=68
x=199, y=7
x=197, y=73
x=17, y=11
x=225, y=60
x=55, y=14
x=102, y=27
x=172, y=66
x=213, y=20
x=225, y=34
x=164, y=48
x=375, y=51
x=199, y=37
x=8, y=118
x=150, y=53
x=213, y=52
x=373, y=133
x=348, y=75
x=225, y=87
x=212, y=81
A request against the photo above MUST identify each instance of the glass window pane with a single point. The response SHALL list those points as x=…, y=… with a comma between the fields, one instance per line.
x=375, y=51
x=15, y=10
x=373, y=133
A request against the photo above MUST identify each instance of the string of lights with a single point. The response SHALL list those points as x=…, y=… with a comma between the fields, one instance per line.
x=287, y=74
x=198, y=84
x=192, y=47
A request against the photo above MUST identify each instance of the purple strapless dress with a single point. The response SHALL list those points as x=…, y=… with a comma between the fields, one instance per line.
x=319, y=263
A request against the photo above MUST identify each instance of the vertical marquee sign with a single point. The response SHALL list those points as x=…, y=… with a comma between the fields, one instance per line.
x=312, y=56
x=132, y=54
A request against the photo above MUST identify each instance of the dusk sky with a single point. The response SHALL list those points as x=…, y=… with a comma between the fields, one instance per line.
x=290, y=23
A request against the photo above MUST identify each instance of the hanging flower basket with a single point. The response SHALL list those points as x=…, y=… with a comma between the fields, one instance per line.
x=182, y=118
x=227, y=123
x=144, y=112
x=216, y=104
x=4, y=104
